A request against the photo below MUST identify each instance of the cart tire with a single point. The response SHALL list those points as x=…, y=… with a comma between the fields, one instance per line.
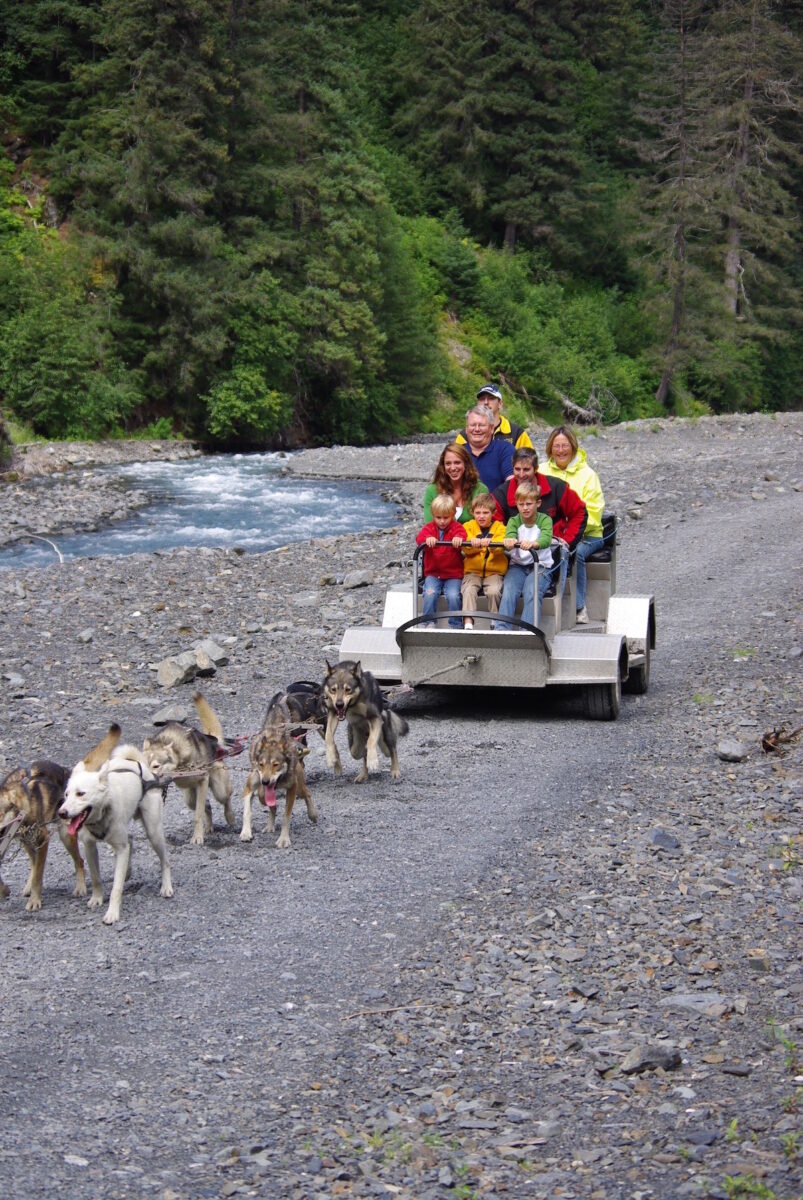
x=601, y=701
x=638, y=679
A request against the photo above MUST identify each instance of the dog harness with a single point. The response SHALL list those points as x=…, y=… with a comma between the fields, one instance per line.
x=148, y=785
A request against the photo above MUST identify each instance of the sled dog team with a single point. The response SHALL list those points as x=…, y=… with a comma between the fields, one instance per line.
x=115, y=782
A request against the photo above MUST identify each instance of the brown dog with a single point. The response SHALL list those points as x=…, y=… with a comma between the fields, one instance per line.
x=354, y=696
x=29, y=801
x=277, y=762
x=188, y=757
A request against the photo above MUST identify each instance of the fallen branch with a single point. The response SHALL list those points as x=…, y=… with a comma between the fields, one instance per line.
x=52, y=544
x=775, y=738
x=582, y=416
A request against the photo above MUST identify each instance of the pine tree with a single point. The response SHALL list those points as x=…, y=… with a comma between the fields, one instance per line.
x=505, y=117
x=674, y=197
x=46, y=43
x=755, y=63
x=146, y=173
x=719, y=200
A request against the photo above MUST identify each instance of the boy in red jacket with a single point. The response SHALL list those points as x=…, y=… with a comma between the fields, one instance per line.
x=443, y=562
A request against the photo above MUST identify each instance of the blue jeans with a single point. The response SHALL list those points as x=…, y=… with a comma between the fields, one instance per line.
x=586, y=547
x=521, y=581
x=433, y=586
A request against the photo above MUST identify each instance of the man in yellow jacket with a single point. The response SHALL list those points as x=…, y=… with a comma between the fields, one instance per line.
x=504, y=430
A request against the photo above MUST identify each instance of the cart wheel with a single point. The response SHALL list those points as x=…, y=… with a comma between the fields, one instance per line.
x=601, y=701
x=638, y=679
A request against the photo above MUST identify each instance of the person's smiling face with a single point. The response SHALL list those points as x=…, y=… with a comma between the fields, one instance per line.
x=524, y=468
x=562, y=451
x=454, y=466
x=478, y=432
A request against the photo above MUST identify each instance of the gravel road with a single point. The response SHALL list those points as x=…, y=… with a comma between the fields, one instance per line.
x=560, y=958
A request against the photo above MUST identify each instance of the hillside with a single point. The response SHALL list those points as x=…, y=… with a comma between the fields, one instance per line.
x=271, y=224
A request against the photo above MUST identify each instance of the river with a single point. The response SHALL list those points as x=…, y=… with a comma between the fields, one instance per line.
x=231, y=500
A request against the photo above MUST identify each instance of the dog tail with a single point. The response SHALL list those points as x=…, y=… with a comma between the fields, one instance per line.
x=399, y=725
x=210, y=722
x=97, y=756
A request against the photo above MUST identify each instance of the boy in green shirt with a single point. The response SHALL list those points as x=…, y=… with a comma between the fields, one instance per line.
x=528, y=537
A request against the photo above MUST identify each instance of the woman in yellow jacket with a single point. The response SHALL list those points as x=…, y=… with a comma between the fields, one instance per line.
x=565, y=460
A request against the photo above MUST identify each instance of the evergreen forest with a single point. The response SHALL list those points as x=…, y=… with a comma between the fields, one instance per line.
x=267, y=222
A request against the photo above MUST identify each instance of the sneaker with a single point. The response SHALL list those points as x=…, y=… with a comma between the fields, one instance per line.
x=468, y=623
x=582, y=616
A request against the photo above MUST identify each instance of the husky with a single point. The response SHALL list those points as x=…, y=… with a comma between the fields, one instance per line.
x=187, y=757
x=353, y=695
x=277, y=760
x=306, y=703
x=104, y=792
x=29, y=801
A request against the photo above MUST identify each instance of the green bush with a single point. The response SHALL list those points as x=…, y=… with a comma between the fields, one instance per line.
x=729, y=379
x=242, y=408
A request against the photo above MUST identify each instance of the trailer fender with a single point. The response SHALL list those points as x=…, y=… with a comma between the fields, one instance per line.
x=633, y=617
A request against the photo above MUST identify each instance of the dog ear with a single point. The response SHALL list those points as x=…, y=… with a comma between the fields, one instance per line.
x=329, y=667
x=356, y=670
x=100, y=753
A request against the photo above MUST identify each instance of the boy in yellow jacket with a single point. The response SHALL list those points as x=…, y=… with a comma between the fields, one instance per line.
x=485, y=565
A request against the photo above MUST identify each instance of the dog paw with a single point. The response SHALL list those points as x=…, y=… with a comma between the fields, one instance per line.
x=246, y=836
x=197, y=839
x=373, y=762
x=95, y=901
x=34, y=904
x=362, y=777
x=396, y=776
x=283, y=842
x=166, y=890
x=333, y=761
x=79, y=889
x=111, y=917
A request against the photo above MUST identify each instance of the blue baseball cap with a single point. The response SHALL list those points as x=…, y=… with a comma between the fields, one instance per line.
x=490, y=389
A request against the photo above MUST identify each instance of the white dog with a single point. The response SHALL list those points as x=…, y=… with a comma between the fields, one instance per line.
x=109, y=787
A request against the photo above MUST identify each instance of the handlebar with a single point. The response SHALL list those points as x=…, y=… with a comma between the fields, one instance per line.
x=491, y=546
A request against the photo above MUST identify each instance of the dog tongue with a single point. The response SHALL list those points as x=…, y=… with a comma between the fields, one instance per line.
x=76, y=823
x=270, y=797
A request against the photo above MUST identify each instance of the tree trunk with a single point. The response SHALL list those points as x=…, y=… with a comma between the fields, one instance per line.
x=678, y=252
x=734, y=271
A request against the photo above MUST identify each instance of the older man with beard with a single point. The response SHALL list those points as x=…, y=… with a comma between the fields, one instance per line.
x=492, y=456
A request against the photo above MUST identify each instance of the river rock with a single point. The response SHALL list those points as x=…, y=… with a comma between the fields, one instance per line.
x=730, y=750
x=651, y=1058
x=181, y=669
x=358, y=579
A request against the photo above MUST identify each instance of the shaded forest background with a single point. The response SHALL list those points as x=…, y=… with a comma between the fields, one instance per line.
x=270, y=220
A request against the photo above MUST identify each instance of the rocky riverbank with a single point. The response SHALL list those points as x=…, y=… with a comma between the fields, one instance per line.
x=35, y=504
x=560, y=958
